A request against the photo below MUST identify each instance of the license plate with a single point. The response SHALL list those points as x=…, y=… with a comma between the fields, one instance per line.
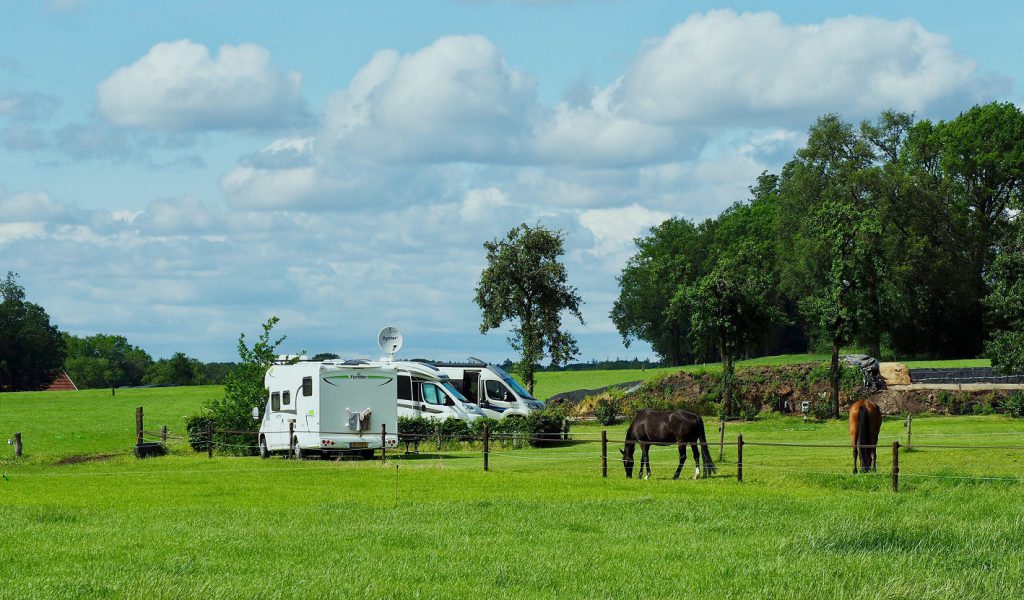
x=357, y=445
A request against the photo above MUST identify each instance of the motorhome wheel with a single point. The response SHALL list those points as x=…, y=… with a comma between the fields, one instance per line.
x=298, y=451
x=264, y=451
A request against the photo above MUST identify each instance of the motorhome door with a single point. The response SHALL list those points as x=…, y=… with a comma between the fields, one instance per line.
x=408, y=397
x=499, y=397
x=471, y=386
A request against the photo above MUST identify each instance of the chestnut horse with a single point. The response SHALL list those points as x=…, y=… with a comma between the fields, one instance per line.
x=865, y=422
x=665, y=428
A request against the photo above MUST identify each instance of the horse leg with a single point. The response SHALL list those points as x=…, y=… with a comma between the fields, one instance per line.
x=696, y=461
x=645, y=459
x=855, y=450
x=682, y=460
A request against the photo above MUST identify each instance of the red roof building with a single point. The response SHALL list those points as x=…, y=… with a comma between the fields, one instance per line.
x=62, y=383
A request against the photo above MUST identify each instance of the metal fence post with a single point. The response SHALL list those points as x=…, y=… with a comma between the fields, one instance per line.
x=163, y=434
x=487, y=449
x=291, y=439
x=739, y=458
x=604, y=453
x=896, y=466
x=383, y=440
x=209, y=440
x=910, y=430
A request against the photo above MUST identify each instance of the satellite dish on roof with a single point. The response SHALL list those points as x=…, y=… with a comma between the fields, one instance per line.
x=390, y=341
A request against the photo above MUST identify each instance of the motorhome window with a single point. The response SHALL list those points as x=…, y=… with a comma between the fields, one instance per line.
x=404, y=387
x=307, y=386
x=417, y=395
x=512, y=383
x=286, y=398
x=495, y=391
x=275, y=402
x=432, y=395
x=454, y=392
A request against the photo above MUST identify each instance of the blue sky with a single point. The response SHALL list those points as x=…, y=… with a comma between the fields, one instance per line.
x=178, y=172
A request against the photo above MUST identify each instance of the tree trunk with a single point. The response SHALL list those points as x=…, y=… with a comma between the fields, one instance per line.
x=833, y=375
x=727, y=377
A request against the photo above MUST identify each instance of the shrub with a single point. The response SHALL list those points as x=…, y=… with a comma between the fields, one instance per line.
x=821, y=409
x=198, y=427
x=607, y=410
x=746, y=411
x=1014, y=405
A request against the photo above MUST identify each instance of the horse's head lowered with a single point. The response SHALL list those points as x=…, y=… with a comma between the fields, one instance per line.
x=627, y=459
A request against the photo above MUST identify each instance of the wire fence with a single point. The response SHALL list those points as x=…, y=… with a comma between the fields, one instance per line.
x=587, y=454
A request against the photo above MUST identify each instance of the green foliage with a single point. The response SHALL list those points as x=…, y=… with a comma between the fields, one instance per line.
x=1014, y=405
x=671, y=256
x=197, y=430
x=731, y=309
x=178, y=370
x=607, y=410
x=104, y=361
x=243, y=388
x=1005, y=306
x=525, y=284
x=820, y=410
x=31, y=349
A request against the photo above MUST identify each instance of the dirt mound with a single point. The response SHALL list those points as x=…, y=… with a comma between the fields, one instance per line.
x=895, y=373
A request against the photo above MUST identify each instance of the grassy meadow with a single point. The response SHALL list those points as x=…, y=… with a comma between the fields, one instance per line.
x=541, y=523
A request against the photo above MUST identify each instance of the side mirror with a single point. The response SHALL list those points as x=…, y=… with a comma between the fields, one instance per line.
x=255, y=413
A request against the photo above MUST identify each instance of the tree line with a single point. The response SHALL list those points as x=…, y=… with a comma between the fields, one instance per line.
x=897, y=235
x=33, y=351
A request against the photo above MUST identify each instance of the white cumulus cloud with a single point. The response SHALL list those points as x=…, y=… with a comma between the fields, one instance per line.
x=179, y=86
x=752, y=67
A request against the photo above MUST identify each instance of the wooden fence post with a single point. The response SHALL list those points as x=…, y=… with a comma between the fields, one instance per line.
x=291, y=439
x=739, y=458
x=163, y=434
x=17, y=445
x=487, y=443
x=383, y=439
x=604, y=453
x=138, y=425
x=209, y=440
x=721, y=439
x=895, y=466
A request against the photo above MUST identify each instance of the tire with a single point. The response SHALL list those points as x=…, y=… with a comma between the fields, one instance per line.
x=264, y=450
x=366, y=454
x=298, y=451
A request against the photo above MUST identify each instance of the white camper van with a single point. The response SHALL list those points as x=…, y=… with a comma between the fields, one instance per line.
x=424, y=391
x=497, y=393
x=334, y=406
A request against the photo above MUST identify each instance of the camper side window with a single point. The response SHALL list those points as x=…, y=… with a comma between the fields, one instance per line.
x=275, y=402
x=495, y=390
x=432, y=395
x=404, y=387
x=286, y=400
x=307, y=386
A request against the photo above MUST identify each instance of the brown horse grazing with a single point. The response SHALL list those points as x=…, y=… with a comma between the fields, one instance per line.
x=865, y=422
x=665, y=428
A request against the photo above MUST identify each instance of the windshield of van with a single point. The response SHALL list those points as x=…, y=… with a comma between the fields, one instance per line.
x=512, y=383
x=454, y=392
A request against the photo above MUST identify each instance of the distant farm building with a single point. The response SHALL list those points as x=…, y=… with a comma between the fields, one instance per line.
x=62, y=383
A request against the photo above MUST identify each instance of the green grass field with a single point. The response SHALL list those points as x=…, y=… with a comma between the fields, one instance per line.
x=541, y=523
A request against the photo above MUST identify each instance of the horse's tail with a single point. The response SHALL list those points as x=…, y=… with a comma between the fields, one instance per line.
x=705, y=454
x=863, y=427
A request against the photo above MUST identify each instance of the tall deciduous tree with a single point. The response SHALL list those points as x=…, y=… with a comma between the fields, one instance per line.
x=831, y=208
x=672, y=255
x=103, y=360
x=31, y=349
x=730, y=308
x=525, y=284
x=1005, y=307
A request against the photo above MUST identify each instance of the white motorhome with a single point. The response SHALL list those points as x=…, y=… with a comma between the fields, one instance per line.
x=331, y=405
x=497, y=393
x=424, y=391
